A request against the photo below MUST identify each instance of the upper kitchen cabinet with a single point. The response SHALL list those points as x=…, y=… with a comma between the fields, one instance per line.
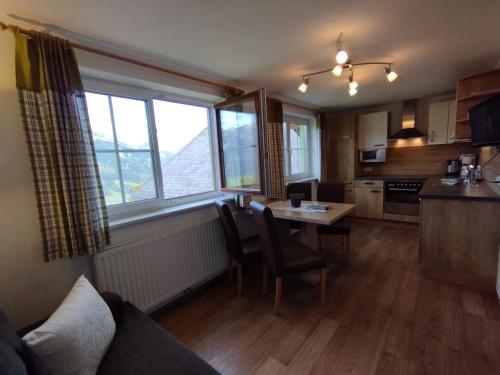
x=373, y=129
x=439, y=114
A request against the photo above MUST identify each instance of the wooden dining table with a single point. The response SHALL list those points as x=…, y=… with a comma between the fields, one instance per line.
x=309, y=220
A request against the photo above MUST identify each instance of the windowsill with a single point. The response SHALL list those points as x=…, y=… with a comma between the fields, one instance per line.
x=164, y=212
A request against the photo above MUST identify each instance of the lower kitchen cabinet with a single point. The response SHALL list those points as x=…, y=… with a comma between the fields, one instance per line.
x=369, y=202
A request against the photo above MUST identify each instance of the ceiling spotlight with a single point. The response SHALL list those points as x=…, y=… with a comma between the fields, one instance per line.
x=353, y=85
x=337, y=71
x=391, y=74
x=353, y=91
x=342, y=57
x=303, y=86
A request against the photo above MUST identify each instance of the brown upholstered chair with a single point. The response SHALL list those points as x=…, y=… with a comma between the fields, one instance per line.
x=299, y=188
x=334, y=193
x=284, y=259
x=238, y=250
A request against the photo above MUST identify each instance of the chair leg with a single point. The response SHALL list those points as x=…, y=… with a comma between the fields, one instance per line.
x=240, y=279
x=323, y=285
x=265, y=274
x=277, y=298
x=229, y=262
x=346, y=248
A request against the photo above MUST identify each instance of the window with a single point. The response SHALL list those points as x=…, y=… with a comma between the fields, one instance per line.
x=240, y=131
x=151, y=152
x=184, y=147
x=121, y=138
x=297, y=146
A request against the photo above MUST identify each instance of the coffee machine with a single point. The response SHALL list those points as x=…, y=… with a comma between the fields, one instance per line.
x=468, y=159
x=453, y=168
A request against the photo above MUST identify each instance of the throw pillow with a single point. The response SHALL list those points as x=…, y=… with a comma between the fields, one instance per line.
x=76, y=336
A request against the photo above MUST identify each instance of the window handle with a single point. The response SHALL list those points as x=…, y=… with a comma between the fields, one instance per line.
x=378, y=145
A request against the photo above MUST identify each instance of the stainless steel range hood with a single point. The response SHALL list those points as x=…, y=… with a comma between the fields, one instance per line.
x=408, y=129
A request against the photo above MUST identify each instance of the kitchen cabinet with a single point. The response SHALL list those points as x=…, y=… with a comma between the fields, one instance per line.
x=369, y=198
x=373, y=130
x=341, y=152
x=442, y=123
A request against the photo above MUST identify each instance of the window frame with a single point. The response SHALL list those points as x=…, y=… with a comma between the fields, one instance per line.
x=259, y=97
x=309, y=173
x=127, y=209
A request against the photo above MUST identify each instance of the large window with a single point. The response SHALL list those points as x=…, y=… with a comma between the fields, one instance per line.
x=151, y=152
x=297, y=145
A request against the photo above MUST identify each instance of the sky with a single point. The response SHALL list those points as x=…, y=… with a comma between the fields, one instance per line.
x=176, y=124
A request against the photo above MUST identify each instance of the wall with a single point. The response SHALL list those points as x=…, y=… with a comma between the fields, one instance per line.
x=29, y=288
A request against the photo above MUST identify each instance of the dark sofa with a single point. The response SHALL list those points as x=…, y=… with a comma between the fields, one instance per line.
x=139, y=346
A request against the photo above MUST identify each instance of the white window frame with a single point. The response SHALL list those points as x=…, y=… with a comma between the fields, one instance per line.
x=309, y=172
x=124, y=210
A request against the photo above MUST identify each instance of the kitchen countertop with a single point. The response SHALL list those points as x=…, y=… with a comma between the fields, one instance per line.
x=434, y=189
x=392, y=178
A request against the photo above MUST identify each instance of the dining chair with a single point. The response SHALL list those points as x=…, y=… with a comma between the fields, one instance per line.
x=284, y=259
x=238, y=249
x=334, y=193
x=299, y=188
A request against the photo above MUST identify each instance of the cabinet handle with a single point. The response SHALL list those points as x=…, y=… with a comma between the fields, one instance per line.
x=369, y=183
x=432, y=135
x=375, y=191
x=378, y=145
x=347, y=189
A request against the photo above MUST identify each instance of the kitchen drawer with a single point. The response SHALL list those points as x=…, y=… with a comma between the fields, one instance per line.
x=368, y=183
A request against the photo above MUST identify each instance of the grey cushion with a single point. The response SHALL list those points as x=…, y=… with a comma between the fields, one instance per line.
x=8, y=333
x=10, y=361
x=140, y=346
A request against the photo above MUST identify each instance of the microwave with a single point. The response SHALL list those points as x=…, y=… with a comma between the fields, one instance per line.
x=372, y=156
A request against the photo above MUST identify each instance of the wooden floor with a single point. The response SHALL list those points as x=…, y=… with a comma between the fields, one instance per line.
x=381, y=317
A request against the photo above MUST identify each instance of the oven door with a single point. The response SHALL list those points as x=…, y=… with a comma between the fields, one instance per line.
x=401, y=200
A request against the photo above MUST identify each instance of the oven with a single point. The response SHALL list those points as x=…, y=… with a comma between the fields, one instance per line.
x=401, y=197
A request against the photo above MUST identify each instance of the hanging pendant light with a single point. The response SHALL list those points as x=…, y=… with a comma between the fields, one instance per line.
x=337, y=70
x=342, y=57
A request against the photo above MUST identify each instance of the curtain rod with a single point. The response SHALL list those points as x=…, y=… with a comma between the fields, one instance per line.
x=295, y=105
x=30, y=33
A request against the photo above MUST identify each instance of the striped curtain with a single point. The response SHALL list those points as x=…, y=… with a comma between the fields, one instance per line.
x=72, y=210
x=276, y=188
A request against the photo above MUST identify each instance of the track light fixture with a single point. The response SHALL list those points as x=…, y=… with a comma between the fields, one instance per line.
x=391, y=74
x=303, y=86
x=344, y=63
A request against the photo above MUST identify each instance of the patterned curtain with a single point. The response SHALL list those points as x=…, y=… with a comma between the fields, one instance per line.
x=323, y=136
x=276, y=188
x=72, y=210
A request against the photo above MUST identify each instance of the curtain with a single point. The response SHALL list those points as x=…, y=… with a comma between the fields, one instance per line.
x=276, y=188
x=72, y=210
x=323, y=136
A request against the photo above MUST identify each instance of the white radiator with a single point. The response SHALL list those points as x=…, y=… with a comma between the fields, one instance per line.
x=151, y=271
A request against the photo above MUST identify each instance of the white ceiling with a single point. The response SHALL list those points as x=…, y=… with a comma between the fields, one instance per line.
x=259, y=43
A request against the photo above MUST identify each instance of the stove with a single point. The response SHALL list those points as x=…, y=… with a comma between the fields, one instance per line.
x=401, y=197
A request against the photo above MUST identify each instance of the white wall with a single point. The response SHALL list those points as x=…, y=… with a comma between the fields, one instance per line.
x=29, y=288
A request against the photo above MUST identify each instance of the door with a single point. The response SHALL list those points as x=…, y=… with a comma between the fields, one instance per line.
x=438, y=123
x=373, y=130
x=342, y=150
x=240, y=132
x=369, y=202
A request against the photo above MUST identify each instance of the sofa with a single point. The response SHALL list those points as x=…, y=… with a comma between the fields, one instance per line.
x=139, y=346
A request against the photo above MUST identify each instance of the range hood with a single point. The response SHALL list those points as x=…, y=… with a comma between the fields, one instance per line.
x=408, y=129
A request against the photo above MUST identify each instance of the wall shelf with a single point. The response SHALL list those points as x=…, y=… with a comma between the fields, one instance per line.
x=479, y=94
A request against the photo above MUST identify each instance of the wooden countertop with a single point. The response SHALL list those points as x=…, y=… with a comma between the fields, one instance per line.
x=434, y=189
x=392, y=178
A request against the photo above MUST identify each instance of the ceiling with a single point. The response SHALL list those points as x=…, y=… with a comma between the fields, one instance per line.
x=252, y=44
